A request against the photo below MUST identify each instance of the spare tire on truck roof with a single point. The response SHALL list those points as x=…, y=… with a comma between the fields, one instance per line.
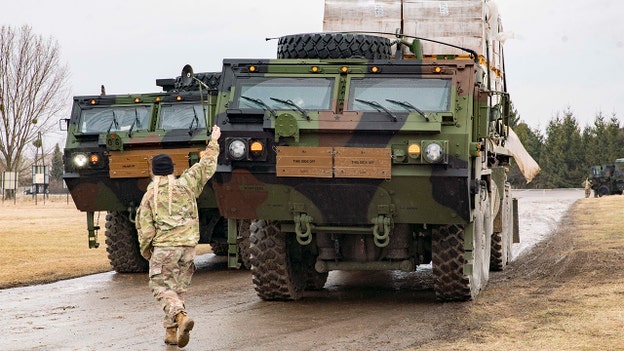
x=333, y=46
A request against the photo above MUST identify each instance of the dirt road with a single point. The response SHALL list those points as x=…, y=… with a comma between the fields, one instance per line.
x=355, y=311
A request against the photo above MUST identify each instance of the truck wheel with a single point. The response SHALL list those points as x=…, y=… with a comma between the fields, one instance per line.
x=603, y=191
x=449, y=281
x=314, y=279
x=502, y=241
x=122, y=244
x=219, y=249
x=276, y=274
x=333, y=46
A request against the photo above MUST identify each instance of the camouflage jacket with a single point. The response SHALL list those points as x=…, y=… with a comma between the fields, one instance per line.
x=168, y=214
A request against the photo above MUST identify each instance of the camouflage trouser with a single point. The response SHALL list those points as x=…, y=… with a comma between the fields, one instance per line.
x=171, y=270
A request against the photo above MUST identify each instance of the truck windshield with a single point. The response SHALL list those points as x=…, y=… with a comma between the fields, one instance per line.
x=104, y=119
x=305, y=93
x=181, y=116
x=431, y=95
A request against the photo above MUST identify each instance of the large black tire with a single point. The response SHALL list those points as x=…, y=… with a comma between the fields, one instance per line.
x=314, y=279
x=219, y=248
x=333, y=46
x=449, y=281
x=276, y=274
x=122, y=244
x=502, y=241
x=604, y=191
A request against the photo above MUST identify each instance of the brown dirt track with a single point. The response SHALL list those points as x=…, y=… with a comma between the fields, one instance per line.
x=566, y=294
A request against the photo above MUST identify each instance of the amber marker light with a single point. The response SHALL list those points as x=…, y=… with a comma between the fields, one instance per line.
x=178, y=98
x=375, y=69
x=252, y=68
x=438, y=69
x=93, y=158
x=344, y=69
x=137, y=100
x=413, y=150
x=315, y=69
x=93, y=102
x=256, y=147
x=157, y=99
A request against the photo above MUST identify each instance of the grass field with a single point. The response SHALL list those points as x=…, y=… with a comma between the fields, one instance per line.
x=47, y=241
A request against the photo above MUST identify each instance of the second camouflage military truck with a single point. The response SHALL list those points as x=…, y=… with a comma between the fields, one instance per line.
x=607, y=179
x=346, y=156
x=110, y=142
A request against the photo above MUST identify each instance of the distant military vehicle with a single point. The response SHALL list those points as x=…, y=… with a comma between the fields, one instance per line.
x=350, y=152
x=607, y=179
x=110, y=142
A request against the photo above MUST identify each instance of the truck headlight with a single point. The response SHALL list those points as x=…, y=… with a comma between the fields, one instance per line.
x=237, y=149
x=433, y=153
x=80, y=160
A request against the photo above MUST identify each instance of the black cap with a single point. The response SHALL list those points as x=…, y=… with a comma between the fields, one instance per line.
x=162, y=165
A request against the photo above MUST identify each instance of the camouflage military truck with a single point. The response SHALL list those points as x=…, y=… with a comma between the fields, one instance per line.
x=349, y=153
x=607, y=179
x=110, y=142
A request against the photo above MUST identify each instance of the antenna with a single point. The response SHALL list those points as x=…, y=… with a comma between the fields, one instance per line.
x=186, y=78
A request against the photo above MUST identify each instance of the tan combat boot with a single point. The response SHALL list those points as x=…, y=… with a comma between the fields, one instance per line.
x=171, y=336
x=185, y=325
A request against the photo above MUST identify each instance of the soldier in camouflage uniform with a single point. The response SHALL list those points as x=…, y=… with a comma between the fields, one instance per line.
x=168, y=228
x=587, y=185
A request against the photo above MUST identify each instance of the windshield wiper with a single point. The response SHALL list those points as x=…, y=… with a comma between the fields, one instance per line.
x=136, y=122
x=294, y=105
x=379, y=107
x=114, y=121
x=196, y=120
x=408, y=106
x=261, y=103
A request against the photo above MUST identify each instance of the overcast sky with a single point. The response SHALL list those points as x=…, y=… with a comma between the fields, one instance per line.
x=566, y=53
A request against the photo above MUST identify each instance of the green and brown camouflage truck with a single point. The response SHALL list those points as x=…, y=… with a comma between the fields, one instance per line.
x=111, y=140
x=354, y=151
x=607, y=179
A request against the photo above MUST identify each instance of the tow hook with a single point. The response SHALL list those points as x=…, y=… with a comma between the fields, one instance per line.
x=382, y=240
x=303, y=219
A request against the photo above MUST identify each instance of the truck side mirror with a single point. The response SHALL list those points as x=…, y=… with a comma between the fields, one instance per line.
x=64, y=124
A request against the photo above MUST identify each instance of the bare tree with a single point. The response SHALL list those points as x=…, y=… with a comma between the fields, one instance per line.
x=33, y=89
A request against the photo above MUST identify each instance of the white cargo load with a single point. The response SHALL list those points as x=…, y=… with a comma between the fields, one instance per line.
x=471, y=24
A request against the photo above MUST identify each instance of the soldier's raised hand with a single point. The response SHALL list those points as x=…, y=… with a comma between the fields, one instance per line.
x=216, y=132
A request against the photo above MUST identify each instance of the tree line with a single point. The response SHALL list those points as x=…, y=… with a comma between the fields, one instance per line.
x=565, y=151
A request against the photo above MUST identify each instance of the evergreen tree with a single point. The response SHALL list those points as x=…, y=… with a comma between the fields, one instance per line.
x=615, y=143
x=603, y=142
x=563, y=157
x=56, y=173
x=595, y=143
